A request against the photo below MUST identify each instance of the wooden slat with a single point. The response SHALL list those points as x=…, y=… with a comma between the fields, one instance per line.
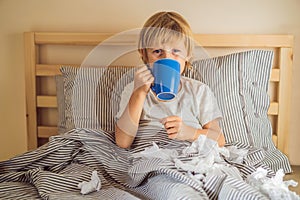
x=273, y=109
x=46, y=131
x=31, y=118
x=50, y=70
x=207, y=40
x=47, y=70
x=70, y=38
x=46, y=101
x=275, y=75
x=85, y=38
x=236, y=40
x=285, y=62
x=51, y=102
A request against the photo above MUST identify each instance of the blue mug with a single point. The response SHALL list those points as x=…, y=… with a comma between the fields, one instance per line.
x=166, y=74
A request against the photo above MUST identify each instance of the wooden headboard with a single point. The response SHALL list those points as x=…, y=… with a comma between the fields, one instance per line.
x=41, y=68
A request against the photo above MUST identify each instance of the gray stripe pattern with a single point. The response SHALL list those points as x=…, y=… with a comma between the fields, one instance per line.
x=240, y=82
x=54, y=170
x=91, y=96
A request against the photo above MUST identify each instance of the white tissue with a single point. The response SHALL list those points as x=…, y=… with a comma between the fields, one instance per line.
x=197, y=165
x=93, y=185
x=207, y=151
x=156, y=152
x=235, y=154
x=203, y=146
x=274, y=187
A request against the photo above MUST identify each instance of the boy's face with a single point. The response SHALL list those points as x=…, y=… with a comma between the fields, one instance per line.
x=176, y=51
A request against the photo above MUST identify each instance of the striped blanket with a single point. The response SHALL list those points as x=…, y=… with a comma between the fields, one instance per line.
x=54, y=170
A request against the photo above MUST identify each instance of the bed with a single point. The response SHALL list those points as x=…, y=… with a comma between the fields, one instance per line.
x=63, y=136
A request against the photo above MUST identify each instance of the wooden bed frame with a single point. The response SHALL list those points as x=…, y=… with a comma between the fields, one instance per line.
x=38, y=71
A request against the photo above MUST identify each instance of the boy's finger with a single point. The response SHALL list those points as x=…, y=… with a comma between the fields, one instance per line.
x=171, y=124
x=169, y=119
x=140, y=69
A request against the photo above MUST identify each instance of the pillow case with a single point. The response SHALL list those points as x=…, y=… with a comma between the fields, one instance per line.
x=89, y=96
x=240, y=82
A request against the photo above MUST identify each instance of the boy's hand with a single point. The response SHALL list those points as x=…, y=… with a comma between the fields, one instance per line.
x=176, y=129
x=143, y=79
x=172, y=125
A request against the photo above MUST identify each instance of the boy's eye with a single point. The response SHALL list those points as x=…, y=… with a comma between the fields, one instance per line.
x=176, y=51
x=157, y=51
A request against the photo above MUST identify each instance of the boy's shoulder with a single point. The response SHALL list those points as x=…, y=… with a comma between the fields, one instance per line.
x=187, y=80
x=193, y=85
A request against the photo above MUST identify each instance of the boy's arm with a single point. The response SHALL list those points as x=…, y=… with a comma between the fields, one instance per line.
x=176, y=129
x=213, y=131
x=127, y=125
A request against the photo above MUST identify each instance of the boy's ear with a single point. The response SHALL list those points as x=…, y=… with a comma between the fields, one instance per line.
x=188, y=62
x=141, y=52
x=143, y=55
x=188, y=58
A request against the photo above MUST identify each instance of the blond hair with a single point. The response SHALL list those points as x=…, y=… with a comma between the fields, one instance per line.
x=165, y=27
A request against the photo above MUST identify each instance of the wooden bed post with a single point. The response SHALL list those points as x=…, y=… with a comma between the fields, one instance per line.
x=284, y=95
x=31, y=112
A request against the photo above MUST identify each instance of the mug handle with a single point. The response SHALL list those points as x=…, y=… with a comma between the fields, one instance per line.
x=152, y=87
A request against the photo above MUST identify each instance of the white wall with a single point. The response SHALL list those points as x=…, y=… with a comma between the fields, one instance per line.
x=205, y=16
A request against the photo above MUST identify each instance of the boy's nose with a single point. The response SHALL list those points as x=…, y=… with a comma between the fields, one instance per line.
x=168, y=54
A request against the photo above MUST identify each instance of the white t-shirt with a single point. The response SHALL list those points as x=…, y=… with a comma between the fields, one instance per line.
x=195, y=104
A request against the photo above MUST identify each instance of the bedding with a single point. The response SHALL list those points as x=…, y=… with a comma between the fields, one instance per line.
x=54, y=170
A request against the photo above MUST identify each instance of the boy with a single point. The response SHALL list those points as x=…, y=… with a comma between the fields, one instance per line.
x=193, y=112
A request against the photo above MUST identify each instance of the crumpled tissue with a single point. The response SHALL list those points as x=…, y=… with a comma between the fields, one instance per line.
x=235, y=154
x=93, y=185
x=275, y=188
x=207, y=153
x=156, y=152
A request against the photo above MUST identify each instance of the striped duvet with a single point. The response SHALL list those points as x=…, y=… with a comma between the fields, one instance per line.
x=54, y=170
